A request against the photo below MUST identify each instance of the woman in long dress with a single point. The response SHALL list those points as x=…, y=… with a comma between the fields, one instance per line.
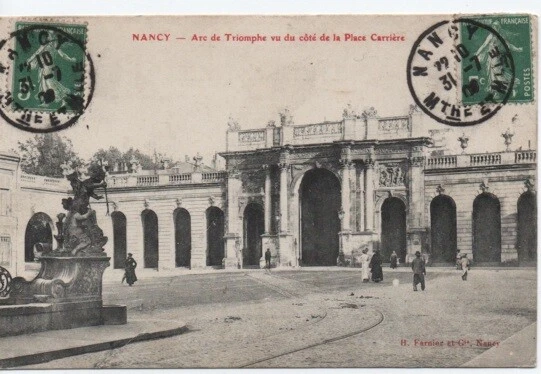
x=365, y=260
x=129, y=270
x=375, y=265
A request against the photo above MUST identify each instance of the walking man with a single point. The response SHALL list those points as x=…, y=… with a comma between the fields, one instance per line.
x=419, y=271
x=268, y=259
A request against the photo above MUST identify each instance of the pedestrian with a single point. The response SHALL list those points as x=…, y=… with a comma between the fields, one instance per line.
x=419, y=271
x=458, y=260
x=394, y=260
x=375, y=266
x=365, y=261
x=268, y=259
x=129, y=270
x=465, y=264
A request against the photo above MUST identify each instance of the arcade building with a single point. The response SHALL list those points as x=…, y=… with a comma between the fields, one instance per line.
x=315, y=194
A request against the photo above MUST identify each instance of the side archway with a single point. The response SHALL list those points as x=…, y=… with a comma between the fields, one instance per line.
x=443, y=229
x=120, y=247
x=183, y=237
x=393, y=228
x=150, y=238
x=486, y=228
x=254, y=226
x=39, y=229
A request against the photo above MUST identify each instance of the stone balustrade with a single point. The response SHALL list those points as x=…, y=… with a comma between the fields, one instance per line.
x=126, y=180
x=481, y=159
x=349, y=128
x=134, y=180
x=38, y=181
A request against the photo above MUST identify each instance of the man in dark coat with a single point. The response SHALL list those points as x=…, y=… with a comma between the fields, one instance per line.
x=375, y=266
x=419, y=271
x=129, y=270
x=268, y=259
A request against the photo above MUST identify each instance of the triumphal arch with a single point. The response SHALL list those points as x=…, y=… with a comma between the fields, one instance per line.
x=317, y=193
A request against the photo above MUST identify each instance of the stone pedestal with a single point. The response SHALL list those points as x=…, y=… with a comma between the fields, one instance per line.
x=232, y=252
x=416, y=239
x=67, y=293
x=285, y=252
x=62, y=279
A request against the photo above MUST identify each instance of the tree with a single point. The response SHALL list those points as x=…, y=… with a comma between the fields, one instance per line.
x=113, y=156
x=45, y=154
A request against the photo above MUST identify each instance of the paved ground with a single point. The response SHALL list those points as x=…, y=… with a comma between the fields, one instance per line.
x=326, y=318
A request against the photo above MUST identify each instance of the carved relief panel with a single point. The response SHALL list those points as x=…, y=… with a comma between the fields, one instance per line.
x=392, y=174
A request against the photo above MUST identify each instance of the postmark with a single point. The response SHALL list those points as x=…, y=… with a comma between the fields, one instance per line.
x=48, y=76
x=444, y=71
x=516, y=31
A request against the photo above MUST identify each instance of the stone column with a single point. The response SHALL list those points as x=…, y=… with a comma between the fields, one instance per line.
x=232, y=236
x=284, y=167
x=415, y=220
x=369, y=197
x=346, y=203
x=361, y=199
x=268, y=208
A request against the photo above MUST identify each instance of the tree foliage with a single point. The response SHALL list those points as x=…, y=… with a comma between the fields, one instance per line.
x=113, y=156
x=44, y=155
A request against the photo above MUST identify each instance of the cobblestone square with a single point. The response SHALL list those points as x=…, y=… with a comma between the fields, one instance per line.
x=321, y=318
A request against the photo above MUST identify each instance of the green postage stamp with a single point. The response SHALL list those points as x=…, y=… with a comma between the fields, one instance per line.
x=515, y=30
x=49, y=67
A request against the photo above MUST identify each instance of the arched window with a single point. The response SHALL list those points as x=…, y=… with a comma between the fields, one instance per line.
x=443, y=229
x=527, y=227
x=486, y=228
x=150, y=234
x=183, y=237
x=38, y=230
x=119, y=239
x=215, y=236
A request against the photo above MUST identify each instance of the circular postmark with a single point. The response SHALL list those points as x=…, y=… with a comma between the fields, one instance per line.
x=46, y=76
x=460, y=72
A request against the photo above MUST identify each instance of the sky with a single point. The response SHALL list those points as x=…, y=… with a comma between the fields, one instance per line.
x=176, y=97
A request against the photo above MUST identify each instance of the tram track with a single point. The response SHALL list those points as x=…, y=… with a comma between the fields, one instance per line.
x=288, y=294
x=318, y=344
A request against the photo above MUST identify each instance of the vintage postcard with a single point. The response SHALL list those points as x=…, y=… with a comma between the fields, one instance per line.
x=338, y=191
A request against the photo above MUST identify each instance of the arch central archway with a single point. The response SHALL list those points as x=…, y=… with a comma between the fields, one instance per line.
x=319, y=195
x=443, y=229
x=254, y=226
x=393, y=228
x=486, y=228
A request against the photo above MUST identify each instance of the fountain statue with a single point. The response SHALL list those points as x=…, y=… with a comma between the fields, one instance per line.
x=67, y=291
